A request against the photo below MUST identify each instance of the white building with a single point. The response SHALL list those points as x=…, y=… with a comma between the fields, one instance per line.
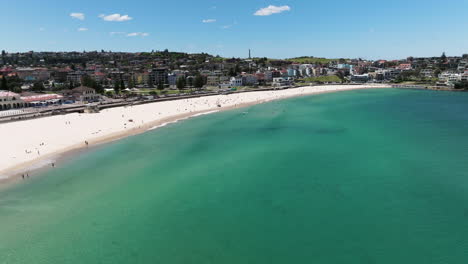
x=464, y=76
x=450, y=78
x=10, y=100
x=282, y=81
x=236, y=81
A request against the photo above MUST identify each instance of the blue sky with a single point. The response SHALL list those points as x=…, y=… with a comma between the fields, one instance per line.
x=281, y=29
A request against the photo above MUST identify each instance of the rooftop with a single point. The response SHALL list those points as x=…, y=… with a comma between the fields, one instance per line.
x=7, y=93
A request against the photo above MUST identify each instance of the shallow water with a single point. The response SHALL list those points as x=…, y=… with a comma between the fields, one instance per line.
x=368, y=176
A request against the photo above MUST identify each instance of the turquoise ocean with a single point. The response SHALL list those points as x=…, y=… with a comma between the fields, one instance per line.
x=365, y=176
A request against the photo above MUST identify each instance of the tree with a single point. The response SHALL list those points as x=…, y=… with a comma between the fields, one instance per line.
x=199, y=81
x=150, y=82
x=117, y=88
x=340, y=75
x=232, y=72
x=461, y=85
x=160, y=86
x=131, y=84
x=189, y=81
x=38, y=87
x=88, y=81
x=122, y=85
x=443, y=58
x=99, y=89
x=4, y=84
x=181, y=82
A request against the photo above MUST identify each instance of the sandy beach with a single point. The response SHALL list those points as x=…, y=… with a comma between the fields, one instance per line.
x=31, y=144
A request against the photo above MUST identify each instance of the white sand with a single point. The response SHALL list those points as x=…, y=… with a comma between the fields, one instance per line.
x=24, y=144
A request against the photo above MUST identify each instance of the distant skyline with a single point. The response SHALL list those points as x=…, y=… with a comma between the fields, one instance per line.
x=275, y=29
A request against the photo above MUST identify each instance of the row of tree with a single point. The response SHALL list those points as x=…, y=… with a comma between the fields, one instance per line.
x=196, y=82
x=461, y=85
x=11, y=83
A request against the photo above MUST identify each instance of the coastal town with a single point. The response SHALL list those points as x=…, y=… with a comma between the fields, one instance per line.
x=37, y=80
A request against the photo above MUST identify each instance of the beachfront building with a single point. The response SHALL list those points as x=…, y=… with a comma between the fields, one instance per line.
x=449, y=78
x=249, y=79
x=33, y=99
x=360, y=78
x=282, y=81
x=10, y=100
x=236, y=81
x=213, y=80
x=85, y=94
x=158, y=76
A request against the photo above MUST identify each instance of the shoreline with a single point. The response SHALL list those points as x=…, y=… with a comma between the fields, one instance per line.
x=13, y=173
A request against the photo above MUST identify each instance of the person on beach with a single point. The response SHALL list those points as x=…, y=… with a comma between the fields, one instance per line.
x=23, y=176
x=86, y=142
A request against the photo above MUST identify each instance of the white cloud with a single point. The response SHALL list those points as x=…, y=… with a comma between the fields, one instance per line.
x=83, y=29
x=138, y=34
x=270, y=10
x=79, y=16
x=209, y=20
x=115, y=17
x=117, y=33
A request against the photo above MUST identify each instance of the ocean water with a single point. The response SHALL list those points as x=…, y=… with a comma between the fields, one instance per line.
x=371, y=176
